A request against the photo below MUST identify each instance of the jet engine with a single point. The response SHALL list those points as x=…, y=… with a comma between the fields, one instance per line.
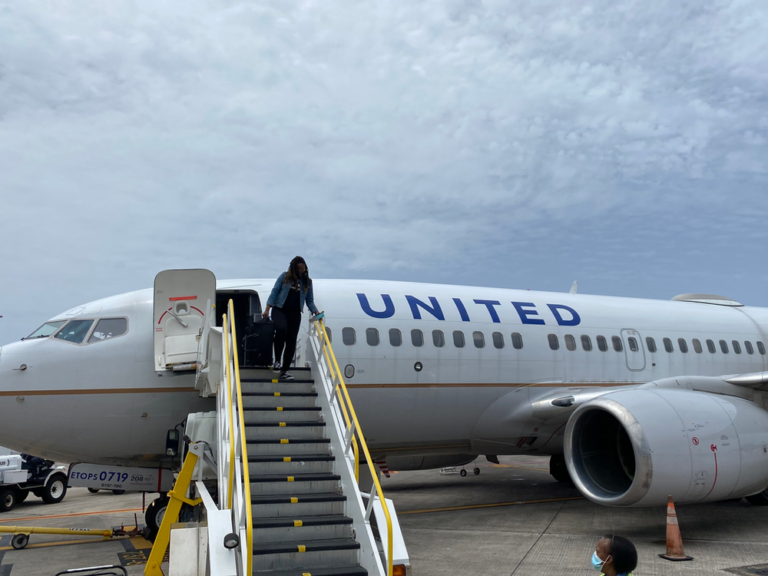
x=636, y=447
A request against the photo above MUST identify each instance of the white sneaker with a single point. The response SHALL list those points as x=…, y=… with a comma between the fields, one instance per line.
x=286, y=376
x=276, y=367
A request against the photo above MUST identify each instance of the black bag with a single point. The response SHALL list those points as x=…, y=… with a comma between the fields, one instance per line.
x=258, y=342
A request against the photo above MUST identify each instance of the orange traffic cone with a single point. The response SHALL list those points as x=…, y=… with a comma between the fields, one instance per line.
x=674, y=540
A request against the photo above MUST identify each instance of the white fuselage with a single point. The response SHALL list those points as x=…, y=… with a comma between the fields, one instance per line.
x=104, y=402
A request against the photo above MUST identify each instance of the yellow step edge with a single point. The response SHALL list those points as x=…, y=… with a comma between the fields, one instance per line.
x=301, y=548
x=282, y=423
x=298, y=523
x=277, y=393
x=287, y=459
x=279, y=408
x=275, y=381
x=284, y=441
x=294, y=500
x=289, y=478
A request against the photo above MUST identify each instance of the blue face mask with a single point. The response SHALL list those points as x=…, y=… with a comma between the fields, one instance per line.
x=597, y=564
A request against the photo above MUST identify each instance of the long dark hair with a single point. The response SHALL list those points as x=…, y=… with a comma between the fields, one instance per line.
x=292, y=276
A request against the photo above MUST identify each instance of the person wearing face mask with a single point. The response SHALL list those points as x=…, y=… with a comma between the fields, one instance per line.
x=614, y=556
x=292, y=290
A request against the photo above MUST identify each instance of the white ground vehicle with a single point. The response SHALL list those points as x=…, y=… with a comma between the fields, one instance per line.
x=22, y=474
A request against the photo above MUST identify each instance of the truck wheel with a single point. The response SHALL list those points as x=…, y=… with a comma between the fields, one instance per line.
x=7, y=499
x=154, y=515
x=55, y=489
x=93, y=490
x=21, y=495
x=19, y=541
x=118, y=492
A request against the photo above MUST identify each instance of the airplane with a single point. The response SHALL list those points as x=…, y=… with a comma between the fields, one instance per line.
x=633, y=399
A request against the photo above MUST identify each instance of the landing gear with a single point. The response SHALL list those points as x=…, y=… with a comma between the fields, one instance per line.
x=153, y=517
x=463, y=472
x=759, y=499
x=55, y=489
x=476, y=471
x=559, y=470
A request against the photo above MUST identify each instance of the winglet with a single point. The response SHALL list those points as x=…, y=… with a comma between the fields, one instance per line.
x=574, y=287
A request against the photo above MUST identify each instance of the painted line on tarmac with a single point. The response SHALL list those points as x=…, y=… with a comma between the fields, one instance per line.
x=61, y=543
x=70, y=515
x=494, y=505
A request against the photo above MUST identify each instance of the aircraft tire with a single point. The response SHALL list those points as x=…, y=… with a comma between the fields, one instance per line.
x=8, y=499
x=55, y=489
x=153, y=517
x=759, y=499
x=559, y=470
x=463, y=472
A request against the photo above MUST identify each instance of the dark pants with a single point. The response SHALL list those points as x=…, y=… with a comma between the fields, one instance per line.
x=287, y=324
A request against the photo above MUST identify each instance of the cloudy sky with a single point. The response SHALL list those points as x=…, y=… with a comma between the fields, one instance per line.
x=519, y=144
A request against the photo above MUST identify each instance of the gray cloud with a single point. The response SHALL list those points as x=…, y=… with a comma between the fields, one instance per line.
x=513, y=144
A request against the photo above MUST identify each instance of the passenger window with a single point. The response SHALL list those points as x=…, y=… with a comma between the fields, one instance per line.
x=438, y=338
x=554, y=343
x=760, y=347
x=617, y=345
x=479, y=339
x=736, y=346
x=748, y=346
x=632, y=341
x=330, y=334
x=517, y=341
x=458, y=338
x=570, y=342
x=417, y=338
x=75, y=331
x=372, y=336
x=697, y=345
x=46, y=329
x=668, y=345
x=651, y=343
x=683, y=345
x=109, y=328
x=395, y=337
x=724, y=346
x=602, y=345
x=348, y=336
x=586, y=343
x=711, y=346
x=498, y=340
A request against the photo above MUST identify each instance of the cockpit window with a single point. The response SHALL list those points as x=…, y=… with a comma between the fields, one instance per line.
x=75, y=331
x=46, y=329
x=108, y=328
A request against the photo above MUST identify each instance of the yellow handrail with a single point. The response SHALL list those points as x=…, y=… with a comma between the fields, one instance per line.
x=244, y=450
x=231, y=415
x=361, y=436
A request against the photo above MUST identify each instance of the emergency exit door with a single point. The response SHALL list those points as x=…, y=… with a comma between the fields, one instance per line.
x=182, y=298
x=633, y=348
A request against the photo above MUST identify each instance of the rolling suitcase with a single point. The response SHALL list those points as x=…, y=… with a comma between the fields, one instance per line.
x=258, y=342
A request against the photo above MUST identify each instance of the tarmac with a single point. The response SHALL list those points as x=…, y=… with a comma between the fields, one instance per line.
x=511, y=519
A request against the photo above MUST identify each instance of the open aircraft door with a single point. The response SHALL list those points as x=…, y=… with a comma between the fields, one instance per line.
x=181, y=300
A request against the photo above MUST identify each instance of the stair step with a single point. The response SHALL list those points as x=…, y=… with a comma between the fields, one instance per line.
x=276, y=380
x=285, y=522
x=291, y=465
x=260, y=548
x=257, y=416
x=316, y=554
x=276, y=399
x=263, y=484
x=355, y=570
x=299, y=530
x=288, y=499
x=298, y=505
x=250, y=387
x=287, y=447
x=261, y=368
x=298, y=430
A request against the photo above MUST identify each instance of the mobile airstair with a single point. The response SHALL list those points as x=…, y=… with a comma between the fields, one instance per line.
x=275, y=468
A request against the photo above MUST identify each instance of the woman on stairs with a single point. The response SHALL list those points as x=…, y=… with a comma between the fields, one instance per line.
x=286, y=302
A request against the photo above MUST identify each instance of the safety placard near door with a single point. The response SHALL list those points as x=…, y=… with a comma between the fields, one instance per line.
x=120, y=478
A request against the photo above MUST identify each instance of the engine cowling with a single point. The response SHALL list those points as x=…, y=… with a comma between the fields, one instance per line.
x=636, y=447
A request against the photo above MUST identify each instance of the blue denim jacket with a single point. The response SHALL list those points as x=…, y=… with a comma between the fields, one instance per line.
x=280, y=294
